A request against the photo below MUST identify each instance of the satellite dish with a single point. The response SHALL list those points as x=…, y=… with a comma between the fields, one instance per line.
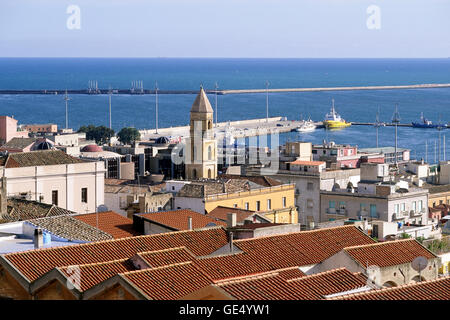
x=419, y=263
x=102, y=208
x=211, y=224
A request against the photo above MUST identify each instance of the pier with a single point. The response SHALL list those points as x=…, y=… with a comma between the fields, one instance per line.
x=142, y=91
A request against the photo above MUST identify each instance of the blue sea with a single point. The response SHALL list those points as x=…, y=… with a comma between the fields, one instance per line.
x=189, y=74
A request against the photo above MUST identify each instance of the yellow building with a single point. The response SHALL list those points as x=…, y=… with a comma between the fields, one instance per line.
x=438, y=194
x=275, y=202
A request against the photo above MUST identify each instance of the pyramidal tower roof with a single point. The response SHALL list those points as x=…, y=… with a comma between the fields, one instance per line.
x=201, y=103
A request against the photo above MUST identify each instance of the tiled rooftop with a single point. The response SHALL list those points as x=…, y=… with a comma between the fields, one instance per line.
x=166, y=257
x=390, y=253
x=201, y=189
x=39, y=158
x=169, y=282
x=438, y=289
x=273, y=286
x=264, y=181
x=70, y=228
x=93, y=274
x=178, y=219
x=221, y=212
x=18, y=143
x=110, y=222
x=19, y=210
x=35, y=263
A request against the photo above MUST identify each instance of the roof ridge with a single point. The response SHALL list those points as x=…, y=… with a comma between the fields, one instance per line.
x=157, y=268
x=407, y=285
x=247, y=278
x=93, y=264
x=167, y=250
x=380, y=243
x=314, y=275
x=304, y=231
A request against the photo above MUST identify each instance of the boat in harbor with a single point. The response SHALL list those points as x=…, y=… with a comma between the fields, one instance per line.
x=306, y=126
x=424, y=123
x=334, y=121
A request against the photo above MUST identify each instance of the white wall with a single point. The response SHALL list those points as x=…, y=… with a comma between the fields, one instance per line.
x=195, y=204
x=68, y=180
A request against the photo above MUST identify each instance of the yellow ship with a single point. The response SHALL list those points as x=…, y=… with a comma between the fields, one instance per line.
x=334, y=121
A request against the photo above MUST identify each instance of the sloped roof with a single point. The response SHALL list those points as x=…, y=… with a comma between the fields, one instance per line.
x=18, y=143
x=273, y=286
x=264, y=181
x=221, y=212
x=19, y=210
x=390, y=253
x=110, y=222
x=93, y=274
x=168, y=282
x=39, y=158
x=35, y=263
x=70, y=228
x=178, y=219
x=201, y=103
x=201, y=189
x=438, y=289
x=166, y=257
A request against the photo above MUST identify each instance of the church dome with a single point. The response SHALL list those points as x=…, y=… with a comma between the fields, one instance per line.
x=92, y=148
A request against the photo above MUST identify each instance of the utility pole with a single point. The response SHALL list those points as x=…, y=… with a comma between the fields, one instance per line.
x=66, y=98
x=156, y=103
x=435, y=148
x=267, y=101
x=444, y=147
x=109, y=98
x=396, y=120
x=426, y=151
x=377, y=123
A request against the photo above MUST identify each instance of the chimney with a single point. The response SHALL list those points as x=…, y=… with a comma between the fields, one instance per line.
x=231, y=242
x=231, y=220
x=189, y=223
x=38, y=238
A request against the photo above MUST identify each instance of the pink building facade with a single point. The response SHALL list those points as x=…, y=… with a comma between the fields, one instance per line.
x=8, y=130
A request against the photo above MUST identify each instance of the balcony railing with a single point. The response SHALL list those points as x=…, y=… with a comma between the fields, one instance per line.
x=400, y=215
x=417, y=213
x=341, y=212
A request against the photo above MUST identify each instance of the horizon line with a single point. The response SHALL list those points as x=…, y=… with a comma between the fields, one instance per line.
x=169, y=57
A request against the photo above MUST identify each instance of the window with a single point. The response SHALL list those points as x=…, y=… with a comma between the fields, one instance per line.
x=173, y=188
x=235, y=205
x=420, y=205
x=310, y=186
x=84, y=195
x=441, y=201
x=209, y=153
x=341, y=204
x=373, y=211
x=284, y=202
x=55, y=197
x=331, y=204
x=402, y=207
x=246, y=206
x=258, y=205
x=414, y=206
x=362, y=207
x=269, y=204
x=396, y=208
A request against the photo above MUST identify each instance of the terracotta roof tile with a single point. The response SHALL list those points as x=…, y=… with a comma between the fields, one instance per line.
x=167, y=256
x=93, y=274
x=178, y=219
x=110, y=222
x=35, y=263
x=438, y=289
x=307, y=163
x=19, y=210
x=169, y=282
x=221, y=212
x=390, y=253
x=303, y=248
x=39, y=158
x=273, y=286
x=317, y=286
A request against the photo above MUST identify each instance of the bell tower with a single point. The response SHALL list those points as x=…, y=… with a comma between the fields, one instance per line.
x=201, y=147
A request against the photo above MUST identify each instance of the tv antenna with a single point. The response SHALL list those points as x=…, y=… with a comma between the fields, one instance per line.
x=66, y=99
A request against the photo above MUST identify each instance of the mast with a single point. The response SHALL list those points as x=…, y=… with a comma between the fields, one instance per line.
x=426, y=151
x=396, y=120
x=377, y=123
x=156, y=104
x=217, y=87
x=109, y=99
x=66, y=98
x=267, y=101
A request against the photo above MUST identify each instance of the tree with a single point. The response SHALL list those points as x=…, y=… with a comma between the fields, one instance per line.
x=100, y=134
x=128, y=135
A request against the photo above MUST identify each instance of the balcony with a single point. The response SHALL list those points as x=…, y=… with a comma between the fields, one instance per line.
x=340, y=212
x=331, y=210
x=400, y=215
x=417, y=213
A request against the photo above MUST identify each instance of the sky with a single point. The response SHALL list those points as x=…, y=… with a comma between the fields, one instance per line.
x=225, y=28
